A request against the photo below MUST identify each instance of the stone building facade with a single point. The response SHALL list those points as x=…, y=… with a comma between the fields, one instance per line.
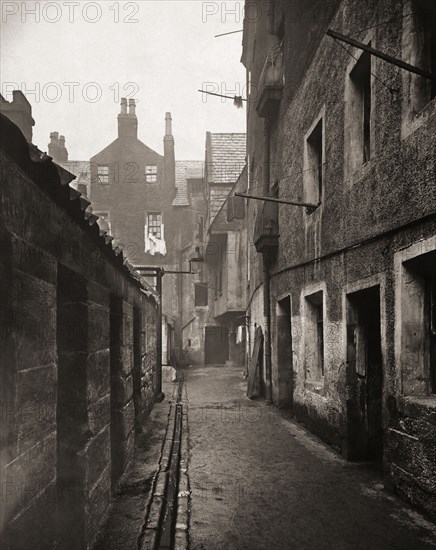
x=77, y=354
x=143, y=197
x=344, y=287
x=212, y=297
x=226, y=265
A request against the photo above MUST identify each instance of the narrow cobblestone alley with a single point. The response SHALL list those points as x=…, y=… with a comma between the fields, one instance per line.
x=259, y=481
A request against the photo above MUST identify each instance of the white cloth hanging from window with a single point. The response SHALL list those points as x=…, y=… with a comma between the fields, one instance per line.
x=153, y=246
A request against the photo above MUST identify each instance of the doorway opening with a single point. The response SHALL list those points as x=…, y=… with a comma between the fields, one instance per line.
x=216, y=345
x=284, y=353
x=365, y=374
x=72, y=406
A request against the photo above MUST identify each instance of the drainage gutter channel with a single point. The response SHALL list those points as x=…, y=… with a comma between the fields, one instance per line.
x=166, y=526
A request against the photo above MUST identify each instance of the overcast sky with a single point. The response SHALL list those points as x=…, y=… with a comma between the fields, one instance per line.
x=165, y=48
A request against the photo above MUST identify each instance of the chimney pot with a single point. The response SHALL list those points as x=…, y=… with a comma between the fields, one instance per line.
x=123, y=106
x=132, y=107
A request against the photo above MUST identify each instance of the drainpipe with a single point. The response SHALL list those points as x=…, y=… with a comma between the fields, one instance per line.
x=266, y=275
x=159, y=395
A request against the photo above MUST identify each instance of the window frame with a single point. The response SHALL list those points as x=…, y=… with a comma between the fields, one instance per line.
x=358, y=158
x=106, y=175
x=160, y=226
x=415, y=106
x=204, y=288
x=314, y=182
x=414, y=331
x=314, y=342
x=151, y=176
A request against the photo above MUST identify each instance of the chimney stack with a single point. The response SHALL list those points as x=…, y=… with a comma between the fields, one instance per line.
x=127, y=121
x=169, y=156
x=62, y=152
x=168, y=124
x=53, y=146
x=56, y=148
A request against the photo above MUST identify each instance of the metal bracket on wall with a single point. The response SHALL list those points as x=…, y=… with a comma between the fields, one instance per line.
x=280, y=201
x=388, y=58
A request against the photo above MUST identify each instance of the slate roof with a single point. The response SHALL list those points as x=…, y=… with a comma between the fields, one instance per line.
x=220, y=223
x=225, y=157
x=186, y=169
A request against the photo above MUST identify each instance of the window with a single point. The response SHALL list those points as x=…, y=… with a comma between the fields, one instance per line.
x=314, y=336
x=314, y=165
x=103, y=174
x=201, y=294
x=419, y=49
x=151, y=173
x=195, y=185
x=216, y=290
x=358, y=130
x=200, y=224
x=155, y=224
x=361, y=77
x=418, y=325
x=431, y=293
x=104, y=221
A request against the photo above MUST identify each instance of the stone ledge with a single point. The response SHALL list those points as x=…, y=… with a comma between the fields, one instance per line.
x=420, y=407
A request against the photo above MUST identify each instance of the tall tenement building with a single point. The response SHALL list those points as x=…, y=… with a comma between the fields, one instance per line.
x=343, y=286
x=145, y=199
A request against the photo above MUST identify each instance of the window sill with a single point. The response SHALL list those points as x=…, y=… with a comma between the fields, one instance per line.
x=419, y=406
x=201, y=308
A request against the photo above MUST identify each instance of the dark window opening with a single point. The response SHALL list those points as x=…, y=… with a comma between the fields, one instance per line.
x=314, y=166
x=320, y=337
x=314, y=336
x=419, y=319
x=432, y=326
x=361, y=77
x=425, y=48
x=201, y=294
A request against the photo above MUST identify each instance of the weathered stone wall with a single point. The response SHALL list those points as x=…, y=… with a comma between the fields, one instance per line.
x=366, y=218
x=66, y=377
